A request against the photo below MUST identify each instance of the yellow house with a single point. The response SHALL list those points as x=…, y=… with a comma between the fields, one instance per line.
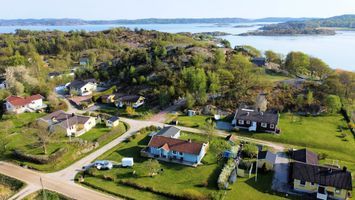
x=112, y=122
x=324, y=181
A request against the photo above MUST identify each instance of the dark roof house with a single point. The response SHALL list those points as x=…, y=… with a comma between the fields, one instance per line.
x=257, y=116
x=267, y=155
x=305, y=156
x=169, y=131
x=322, y=175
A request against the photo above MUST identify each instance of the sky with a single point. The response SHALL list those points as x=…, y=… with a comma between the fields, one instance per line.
x=138, y=9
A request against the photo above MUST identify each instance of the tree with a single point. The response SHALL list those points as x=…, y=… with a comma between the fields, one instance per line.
x=196, y=81
x=273, y=57
x=261, y=102
x=150, y=168
x=309, y=98
x=297, y=63
x=225, y=43
x=190, y=101
x=130, y=111
x=3, y=145
x=219, y=58
x=209, y=128
x=213, y=82
x=333, y=104
x=43, y=138
x=318, y=68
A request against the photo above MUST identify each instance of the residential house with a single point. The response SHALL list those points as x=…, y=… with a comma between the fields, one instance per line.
x=323, y=181
x=169, y=131
x=254, y=120
x=175, y=150
x=15, y=104
x=82, y=88
x=82, y=101
x=3, y=83
x=52, y=75
x=110, y=98
x=260, y=61
x=70, y=124
x=267, y=159
x=305, y=156
x=113, y=121
x=130, y=100
x=84, y=61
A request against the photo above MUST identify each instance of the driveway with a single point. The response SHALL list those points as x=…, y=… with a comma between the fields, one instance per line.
x=280, y=180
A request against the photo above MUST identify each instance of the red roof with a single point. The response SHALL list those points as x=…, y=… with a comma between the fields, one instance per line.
x=178, y=145
x=20, y=101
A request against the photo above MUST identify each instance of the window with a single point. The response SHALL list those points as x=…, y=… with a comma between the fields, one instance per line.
x=248, y=122
x=240, y=121
x=264, y=125
x=312, y=183
x=337, y=191
x=302, y=183
x=272, y=126
x=174, y=152
x=180, y=153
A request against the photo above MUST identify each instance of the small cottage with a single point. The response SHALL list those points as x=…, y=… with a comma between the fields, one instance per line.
x=82, y=88
x=113, y=121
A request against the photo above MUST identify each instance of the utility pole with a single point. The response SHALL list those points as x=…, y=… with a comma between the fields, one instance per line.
x=43, y=191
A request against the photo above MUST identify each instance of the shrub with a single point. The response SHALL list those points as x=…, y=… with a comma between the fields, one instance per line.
x=322, y=156
x=250, y=150
x=225, y=174
x=193, y=195
x=40, y=159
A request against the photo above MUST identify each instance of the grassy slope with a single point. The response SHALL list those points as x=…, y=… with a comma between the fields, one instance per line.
x=175, y=178
x=48, y=194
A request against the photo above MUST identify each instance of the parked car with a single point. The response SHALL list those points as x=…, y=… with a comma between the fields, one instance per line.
x=100, y=164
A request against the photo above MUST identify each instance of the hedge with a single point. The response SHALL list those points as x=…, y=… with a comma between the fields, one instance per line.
x=40, y=159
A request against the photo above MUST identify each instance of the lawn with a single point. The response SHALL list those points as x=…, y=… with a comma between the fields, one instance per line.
x=175, y=179
x=46, y=194
x=143, y=112
x=9, y=186
x=197, y=121
x=21, y=138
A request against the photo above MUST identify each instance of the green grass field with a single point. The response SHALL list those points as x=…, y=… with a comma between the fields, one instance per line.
x=21, y=138
x=175, y=178
x=197, y=121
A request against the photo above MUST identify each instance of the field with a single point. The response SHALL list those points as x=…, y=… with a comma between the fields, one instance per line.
x=175, y=179
x=143, y=112
x=9, y=186
x=21, y=138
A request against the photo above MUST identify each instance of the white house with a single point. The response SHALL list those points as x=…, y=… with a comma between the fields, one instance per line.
x=3, y=84
x=15, y=104
x=70, y=124
x=83, y=88
x=113, y=121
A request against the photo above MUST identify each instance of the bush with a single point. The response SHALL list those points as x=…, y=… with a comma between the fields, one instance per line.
x=40, y=159
x=193, y=195
x=322, y=156
x=225, y=174
x=250, y=150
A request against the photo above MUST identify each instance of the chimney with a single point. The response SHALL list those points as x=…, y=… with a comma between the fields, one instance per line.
x=330, y=170
x=189, y=140
x=73, y=114
x=345, y=169
x=262, y=113
x=247, y=113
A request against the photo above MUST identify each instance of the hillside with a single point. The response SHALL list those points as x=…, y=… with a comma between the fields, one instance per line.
x=307, y=27
x=72, y=22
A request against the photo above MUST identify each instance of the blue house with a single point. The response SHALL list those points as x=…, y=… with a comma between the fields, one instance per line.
x=175, y=150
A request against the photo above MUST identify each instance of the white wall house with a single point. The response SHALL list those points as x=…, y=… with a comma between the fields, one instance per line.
x=15, y=104
x=82, y=88
x=69, y=124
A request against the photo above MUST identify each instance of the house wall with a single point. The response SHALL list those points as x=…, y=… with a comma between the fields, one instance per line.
x=314, y=189
x=13, y=109
x=306, y=188
x=115, y=123
x=268, y=164
x=90, y=124
x=36, y=104
x=186, y=157
x=258, y=125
